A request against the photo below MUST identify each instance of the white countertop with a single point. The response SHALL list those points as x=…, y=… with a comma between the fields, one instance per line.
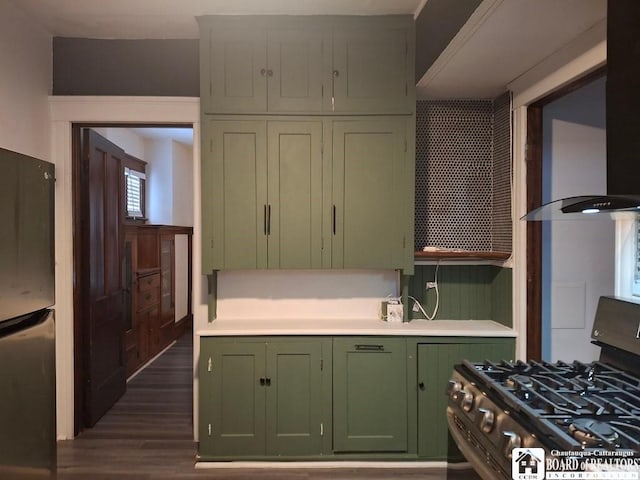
x=333, y=327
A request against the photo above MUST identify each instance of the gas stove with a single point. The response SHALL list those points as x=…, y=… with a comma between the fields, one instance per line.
x=591, y=410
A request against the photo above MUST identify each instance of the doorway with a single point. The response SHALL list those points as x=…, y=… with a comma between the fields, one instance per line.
x=118, y=327
x=129, y=273
x=537, y=276
x=66, y=111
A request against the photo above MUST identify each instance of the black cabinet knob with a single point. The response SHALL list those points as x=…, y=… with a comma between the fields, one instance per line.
x=421, y=386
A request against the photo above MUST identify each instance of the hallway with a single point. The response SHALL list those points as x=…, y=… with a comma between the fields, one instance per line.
x=147, y=435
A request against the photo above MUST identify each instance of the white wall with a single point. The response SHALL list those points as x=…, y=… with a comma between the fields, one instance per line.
x=182, y=184
x=25, y=83
x=578, y=255
x=169, y=174
x=126, y=139
x=304, y=295
x=181, y=269
x=159, y=156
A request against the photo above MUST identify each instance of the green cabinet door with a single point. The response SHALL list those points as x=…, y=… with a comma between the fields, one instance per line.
x=262, y=194
x=370, y=394
x=234, y=63
x=294, y=207
x=232, y=398
x=294, y=76
x=435, y=365
x=369, y=181
x=263, y=397
x=372, y=70
x=294, y=399
x=249, y=66
x=234, y=195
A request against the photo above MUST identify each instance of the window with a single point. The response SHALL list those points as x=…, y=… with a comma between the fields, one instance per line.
x=134, y=192
x=636, y=269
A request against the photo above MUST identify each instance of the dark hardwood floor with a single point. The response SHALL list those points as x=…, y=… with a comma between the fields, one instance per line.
x=148, y=435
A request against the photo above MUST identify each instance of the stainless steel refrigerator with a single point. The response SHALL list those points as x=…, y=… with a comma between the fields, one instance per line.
x=27, y=346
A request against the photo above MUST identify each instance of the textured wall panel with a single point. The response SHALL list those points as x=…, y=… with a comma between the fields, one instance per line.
x=501, y=221
x=463, y=171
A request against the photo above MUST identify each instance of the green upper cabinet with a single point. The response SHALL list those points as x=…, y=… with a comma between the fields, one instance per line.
x=262, y=194
x=294, y=206
x=234, y=195
x=308, y=142
x=233, y=70
x=294, y=74
x=295, y=64
x=368, y=196
x=372, y=70
x=247, y=67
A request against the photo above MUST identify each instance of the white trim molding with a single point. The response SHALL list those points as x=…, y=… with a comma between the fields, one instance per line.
x=64, y=112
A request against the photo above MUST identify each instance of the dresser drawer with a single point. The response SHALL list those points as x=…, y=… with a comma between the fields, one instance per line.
x=147, y=298
x=148, y=282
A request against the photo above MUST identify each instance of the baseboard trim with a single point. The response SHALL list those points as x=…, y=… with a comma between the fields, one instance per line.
x=150, y=361
x=410, y=464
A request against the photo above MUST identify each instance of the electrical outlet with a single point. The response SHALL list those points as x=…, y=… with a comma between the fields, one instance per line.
x=431, y=285
x=394, y=312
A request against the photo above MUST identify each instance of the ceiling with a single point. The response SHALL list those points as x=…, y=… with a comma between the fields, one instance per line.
x=501, y=41
x=132, y=19
x=180, y=135
x=504, y=39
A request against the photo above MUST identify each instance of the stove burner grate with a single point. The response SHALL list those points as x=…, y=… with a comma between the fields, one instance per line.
x=593, y=433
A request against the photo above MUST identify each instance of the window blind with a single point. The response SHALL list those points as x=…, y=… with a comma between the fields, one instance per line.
x=134, y=185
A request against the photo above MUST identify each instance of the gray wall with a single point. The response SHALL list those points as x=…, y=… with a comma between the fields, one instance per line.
x=438, y=22
x=83, y=66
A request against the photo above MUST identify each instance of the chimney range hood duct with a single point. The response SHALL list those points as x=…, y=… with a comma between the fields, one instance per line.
x=623, y=125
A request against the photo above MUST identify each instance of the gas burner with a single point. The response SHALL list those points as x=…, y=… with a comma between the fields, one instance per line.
x=593, y=433
x=519, y=381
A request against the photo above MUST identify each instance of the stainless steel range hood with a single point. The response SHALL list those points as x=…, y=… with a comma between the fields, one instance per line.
x=623, y=125
x=585, y=207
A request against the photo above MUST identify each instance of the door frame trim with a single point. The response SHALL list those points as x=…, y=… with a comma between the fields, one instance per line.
x=534, y=161
x=64, y=112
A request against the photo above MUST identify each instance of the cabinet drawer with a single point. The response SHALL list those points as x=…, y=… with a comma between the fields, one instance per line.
x=147, y=298
x=148, y=282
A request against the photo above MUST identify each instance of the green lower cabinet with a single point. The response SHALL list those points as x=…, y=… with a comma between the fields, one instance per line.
x=262, y=398
x=369, y=395
x=294, y=411
x=435, y=365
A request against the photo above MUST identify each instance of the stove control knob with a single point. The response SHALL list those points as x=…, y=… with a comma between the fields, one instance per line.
x=453, y=388
x=467, y=401
x=487, y=419
x=513, y=440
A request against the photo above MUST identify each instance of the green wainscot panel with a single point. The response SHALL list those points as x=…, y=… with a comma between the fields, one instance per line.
x=466, y=292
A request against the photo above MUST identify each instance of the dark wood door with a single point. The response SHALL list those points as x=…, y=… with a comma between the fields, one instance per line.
x=104, y=321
